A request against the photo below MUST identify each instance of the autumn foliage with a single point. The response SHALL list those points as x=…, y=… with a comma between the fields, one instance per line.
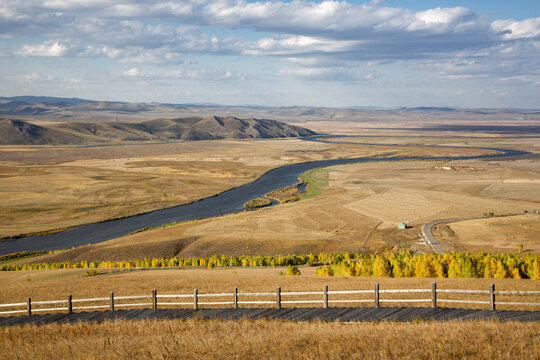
x=386, y=264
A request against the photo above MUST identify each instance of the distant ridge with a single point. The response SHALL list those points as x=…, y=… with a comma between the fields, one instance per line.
x=45, y=99
x=429, y=108
x=193, y=128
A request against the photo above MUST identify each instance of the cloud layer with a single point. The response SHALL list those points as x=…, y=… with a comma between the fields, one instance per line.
x=326, y=40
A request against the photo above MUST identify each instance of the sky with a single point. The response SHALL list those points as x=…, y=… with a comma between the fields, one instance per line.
x=481, y=54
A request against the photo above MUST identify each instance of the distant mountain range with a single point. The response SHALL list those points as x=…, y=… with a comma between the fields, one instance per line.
x=43, y=111
x=194, y=128
x=44, y=99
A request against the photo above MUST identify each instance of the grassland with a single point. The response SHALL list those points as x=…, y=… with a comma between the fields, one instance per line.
x=355, y=208
x=45, y=187
x=358, y=209
x=214, y=339
x=57, y=284
x=518, y=233
x=347, y=208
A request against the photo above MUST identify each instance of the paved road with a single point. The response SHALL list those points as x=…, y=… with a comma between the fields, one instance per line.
x=430, y=238
x=345, y=314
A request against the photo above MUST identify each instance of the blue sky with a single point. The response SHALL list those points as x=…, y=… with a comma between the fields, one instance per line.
x=277, y=53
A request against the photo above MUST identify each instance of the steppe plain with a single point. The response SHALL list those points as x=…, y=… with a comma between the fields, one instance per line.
x=52, y=187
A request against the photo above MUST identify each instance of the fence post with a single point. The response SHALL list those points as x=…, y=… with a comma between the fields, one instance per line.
x=154, y=299
x=492, y=296
x=70, y=304
x=29, y=307
x=433, y=294
x=195, y=299
x=377, y=295
x=325, y=296
x=278, y=297
x=112, y=301
x=235, y=298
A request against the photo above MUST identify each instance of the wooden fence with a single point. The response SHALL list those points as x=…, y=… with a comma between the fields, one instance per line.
x=275, y=298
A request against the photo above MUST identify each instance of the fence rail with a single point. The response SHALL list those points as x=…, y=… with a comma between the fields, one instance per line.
x=232, y=298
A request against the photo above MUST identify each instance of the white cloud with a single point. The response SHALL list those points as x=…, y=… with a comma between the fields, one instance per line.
x=511, y=30
x=441, y=20
x=137, y=31
x=48, y=48
x=131, y=72
x=187, y=74
x=298, y=45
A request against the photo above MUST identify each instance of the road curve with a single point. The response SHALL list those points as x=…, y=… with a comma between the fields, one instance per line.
x=430, y=238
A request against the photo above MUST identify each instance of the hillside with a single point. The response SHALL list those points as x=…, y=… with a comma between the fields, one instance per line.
x=193, y=128
x=16, y=132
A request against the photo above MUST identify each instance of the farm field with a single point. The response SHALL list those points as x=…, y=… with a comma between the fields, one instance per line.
x=214, y=339
x=499, y=234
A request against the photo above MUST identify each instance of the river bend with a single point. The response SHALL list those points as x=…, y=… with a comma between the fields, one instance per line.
x=227, y=202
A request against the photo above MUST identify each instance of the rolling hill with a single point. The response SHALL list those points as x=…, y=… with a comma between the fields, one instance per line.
x=192, y=128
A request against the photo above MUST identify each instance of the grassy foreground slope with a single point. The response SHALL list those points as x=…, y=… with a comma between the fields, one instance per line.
x=214, y=339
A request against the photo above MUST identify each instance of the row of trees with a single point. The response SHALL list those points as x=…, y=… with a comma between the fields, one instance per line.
x=390, y=264
x=449, y=265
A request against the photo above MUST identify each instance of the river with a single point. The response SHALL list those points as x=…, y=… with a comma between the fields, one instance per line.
x=227, y=202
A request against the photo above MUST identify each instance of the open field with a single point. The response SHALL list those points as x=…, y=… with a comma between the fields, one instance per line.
x=57, y=284
x=502, y=234
x=359, y=208
x=46, y=187
x=214, y=339
x=51, y=187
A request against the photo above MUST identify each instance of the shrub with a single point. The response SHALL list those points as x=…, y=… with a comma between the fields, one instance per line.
x=257, y=203
x=324, y=271
x=292, y=270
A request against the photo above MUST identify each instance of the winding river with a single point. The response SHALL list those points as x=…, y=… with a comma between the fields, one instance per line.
x=227, y=202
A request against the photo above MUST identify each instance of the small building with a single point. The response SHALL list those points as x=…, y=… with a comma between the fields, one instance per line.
x=402, y=225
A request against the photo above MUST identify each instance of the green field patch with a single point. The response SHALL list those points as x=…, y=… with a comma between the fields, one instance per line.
x=316, y=180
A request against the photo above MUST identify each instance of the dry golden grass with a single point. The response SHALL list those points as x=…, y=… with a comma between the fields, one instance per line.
x=498, y=234
x=46, y=187
x=54, y=187
x=359, y=209
x=57, y=284
x=215, y=339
